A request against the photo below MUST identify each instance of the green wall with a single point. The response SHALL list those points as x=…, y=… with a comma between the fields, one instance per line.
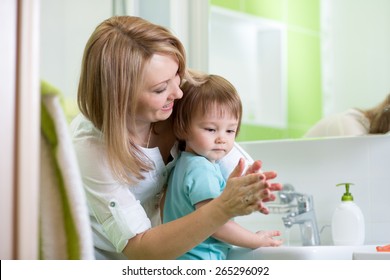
x=302, y=18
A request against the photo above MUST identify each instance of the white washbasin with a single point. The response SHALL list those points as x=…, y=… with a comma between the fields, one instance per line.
x=302, y=252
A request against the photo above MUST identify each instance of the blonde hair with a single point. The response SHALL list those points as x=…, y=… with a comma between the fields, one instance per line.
x=111, y=77
x=207, y=93
x=379, y=117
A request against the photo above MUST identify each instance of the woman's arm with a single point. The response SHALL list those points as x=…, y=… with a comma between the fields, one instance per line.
x=170, y=240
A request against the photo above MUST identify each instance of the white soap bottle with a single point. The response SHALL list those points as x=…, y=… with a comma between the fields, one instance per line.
x=348, y=227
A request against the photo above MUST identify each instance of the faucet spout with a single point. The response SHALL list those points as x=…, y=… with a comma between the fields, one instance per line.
x=302, y=213
x=308, y=227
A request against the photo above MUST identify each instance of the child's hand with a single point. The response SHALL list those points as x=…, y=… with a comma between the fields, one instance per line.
x=267, y=238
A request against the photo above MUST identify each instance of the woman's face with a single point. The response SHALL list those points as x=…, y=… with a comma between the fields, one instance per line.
x=160, y=89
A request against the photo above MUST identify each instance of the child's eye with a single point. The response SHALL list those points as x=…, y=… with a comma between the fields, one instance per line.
x=231, y=131
x=210, y=129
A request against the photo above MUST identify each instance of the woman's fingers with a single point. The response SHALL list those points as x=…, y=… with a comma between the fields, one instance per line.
x=248, y=193
x=265, y=191
x=270, y=174
x=257, y=194
x=241, y=192
x=238, y=169
x=275, y=187
x=254, y=168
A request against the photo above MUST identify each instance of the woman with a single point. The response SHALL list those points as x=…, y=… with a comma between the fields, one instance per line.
x=130, y=77
x=355, y=122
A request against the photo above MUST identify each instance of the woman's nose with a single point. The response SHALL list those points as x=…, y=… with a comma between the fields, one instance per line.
x=176, y=92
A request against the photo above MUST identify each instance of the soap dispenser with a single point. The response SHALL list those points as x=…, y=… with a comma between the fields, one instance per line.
x=347, y=221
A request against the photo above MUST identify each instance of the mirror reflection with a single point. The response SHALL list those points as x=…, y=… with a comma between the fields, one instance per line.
x=334, y=56
x=354, y=122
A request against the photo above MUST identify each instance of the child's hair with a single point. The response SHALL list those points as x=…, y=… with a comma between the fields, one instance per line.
x=204, y=94
x=379, y=117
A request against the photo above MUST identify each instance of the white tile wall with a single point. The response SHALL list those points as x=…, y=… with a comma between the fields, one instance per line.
x=315, y=166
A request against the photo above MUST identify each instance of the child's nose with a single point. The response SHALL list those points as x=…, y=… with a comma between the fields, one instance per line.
x=220, y=140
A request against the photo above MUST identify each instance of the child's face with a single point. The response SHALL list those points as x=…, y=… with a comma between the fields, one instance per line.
x=212, y=135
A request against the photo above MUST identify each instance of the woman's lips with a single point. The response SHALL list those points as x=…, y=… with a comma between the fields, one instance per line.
x=168, y=106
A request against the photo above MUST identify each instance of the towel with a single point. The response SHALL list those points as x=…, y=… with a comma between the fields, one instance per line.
x=65, y=231
x=385, y=248
x=230, y=161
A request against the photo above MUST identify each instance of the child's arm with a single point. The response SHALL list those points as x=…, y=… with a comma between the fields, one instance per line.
x=234, y=234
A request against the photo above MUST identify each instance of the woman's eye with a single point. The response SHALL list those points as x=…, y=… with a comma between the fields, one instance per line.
x=160, y=90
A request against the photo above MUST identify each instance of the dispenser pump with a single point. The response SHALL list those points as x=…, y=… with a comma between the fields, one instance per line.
x=348, y=221
x=347, y=196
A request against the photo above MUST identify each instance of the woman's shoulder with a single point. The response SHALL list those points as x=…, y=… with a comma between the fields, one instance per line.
x=81, y=127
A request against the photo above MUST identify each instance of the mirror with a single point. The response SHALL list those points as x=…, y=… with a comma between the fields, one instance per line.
x=336, y=58
x=336, y=54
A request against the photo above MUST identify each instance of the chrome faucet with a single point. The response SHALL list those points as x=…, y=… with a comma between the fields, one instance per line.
x=300, y=210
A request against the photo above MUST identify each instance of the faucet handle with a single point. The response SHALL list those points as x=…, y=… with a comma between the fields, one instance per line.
x=305, y=203
x=287, y=194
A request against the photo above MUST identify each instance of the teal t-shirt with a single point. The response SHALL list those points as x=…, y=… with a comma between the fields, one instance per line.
x=194, y=179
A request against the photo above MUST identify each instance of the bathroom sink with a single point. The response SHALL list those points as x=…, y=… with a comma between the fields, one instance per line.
x=301, y=252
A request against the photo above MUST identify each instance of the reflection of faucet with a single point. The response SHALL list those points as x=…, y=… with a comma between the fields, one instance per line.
x=300, y=210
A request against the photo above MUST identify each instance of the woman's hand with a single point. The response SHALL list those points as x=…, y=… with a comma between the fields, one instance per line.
x=244, y=194
x=247, y=193
x=267, y=194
